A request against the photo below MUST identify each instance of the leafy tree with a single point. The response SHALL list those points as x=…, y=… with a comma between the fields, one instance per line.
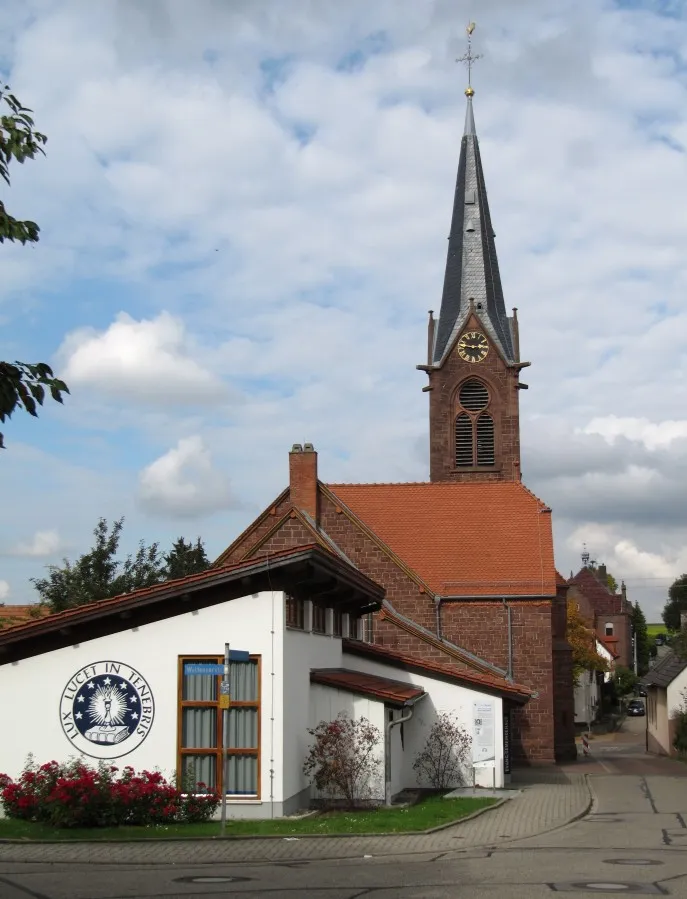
x=677, y=602
x=98, y=574
x=624, y=680
x=22, y=385
x=641, y=635
x=582, y=639
x=185, y=558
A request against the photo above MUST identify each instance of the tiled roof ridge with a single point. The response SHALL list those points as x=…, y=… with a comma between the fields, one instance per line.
x=452, y=649
x=452, y=485
x=471, y=677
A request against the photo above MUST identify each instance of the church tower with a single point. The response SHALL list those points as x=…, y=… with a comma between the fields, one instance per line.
x=473, y=354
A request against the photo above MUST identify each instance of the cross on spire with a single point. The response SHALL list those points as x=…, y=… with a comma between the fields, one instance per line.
x=469, y=58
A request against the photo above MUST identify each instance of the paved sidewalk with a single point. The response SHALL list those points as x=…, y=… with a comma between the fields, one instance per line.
x=539, y=809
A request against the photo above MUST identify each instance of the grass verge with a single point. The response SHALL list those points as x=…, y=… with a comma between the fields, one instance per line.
x=430, y=812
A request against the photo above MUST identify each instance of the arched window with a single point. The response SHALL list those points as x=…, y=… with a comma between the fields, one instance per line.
x=475, y=433
x=609, y=629
x=464, y=441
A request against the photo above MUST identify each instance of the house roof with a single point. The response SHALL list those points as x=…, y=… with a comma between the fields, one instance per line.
x=665, y=671
x=602, y=599
x=13, y=615
x=392, y=692
x=486, y=538
x=472, y=679
x=303, y=571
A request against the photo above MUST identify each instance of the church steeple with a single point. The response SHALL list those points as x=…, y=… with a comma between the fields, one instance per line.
x=472, y=268
x=473, y=354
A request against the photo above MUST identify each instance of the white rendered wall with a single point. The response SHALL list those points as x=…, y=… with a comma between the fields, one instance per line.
x=326, y=703
x=302, y=651
x=677, y=694
x=442, y=697
x=30, y=690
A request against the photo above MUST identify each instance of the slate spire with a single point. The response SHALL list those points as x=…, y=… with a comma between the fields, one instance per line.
x=472, y=268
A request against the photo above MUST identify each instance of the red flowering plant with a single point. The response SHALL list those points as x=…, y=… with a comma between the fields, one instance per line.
x=73, y=794
x=341, y=762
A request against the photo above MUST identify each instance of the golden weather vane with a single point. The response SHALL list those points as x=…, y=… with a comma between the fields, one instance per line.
x=469, y=58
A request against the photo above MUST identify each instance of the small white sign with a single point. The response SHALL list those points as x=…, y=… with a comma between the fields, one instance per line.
x=483, y=745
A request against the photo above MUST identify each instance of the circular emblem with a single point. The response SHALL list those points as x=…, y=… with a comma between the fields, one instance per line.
x=107, y=710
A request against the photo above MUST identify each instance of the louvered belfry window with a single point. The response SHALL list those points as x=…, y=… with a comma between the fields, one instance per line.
x=485, y=440
x=475, y=433
x=464, y=441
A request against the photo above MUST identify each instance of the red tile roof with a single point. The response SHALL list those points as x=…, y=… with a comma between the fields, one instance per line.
x=391, y=691
x=10, y=616
x=435, y=669
x=473, y=539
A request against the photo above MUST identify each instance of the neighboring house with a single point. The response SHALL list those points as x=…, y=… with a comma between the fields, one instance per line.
x=109, y=680
x=589, y=687
x=666, y=685
x=11, y=615
x=610, y=614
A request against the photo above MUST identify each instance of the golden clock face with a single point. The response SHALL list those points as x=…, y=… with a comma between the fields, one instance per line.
x=473, y=346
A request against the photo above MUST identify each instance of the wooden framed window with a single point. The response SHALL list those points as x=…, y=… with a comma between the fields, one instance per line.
x=295, y=613
x=200, y=727
x=609, y=629
x=354, y=627
x=319, y=618
x=337, y=622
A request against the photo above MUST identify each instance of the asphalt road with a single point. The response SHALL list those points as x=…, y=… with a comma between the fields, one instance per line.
x=634, y=842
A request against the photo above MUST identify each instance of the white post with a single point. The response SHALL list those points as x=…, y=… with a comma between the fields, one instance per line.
x=225, y=740
x=635, y=651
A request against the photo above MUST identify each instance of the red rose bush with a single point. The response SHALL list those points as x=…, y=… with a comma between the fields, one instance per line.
x=73, y=794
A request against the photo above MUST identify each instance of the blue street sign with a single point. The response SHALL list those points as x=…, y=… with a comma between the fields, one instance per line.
x=199, y=669
x=212, y=668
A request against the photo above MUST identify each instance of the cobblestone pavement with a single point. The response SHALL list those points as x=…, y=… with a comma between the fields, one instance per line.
x=540, y=808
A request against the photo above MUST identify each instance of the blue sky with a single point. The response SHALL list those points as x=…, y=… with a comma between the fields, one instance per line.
x=244, y=215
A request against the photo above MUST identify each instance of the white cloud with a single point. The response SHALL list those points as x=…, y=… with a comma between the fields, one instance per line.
x=285, y=194
x=147, y=360
x=652, y=434
x=4, y=590
x=43, y=543
x=184, y=482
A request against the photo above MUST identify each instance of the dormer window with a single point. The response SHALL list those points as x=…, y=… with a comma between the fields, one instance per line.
x=609, y=629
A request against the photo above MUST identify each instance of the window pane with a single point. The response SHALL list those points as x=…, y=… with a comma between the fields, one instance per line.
x=319, y=618
x=243, y=774
x=295, y=612
x=201, y=688
x=199, y=769
x=243, y=729
x=337, y=622
x=199, y=728
x=244, y=681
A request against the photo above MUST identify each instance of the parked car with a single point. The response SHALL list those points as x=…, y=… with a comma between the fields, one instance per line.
x=636, y=707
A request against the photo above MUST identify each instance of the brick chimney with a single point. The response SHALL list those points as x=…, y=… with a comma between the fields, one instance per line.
x=602, y=574
x=303, y=479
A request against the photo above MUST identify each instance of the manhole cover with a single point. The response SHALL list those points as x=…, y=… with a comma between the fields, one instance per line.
x=631, y=861
x=210, y=879
x=644, y=889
